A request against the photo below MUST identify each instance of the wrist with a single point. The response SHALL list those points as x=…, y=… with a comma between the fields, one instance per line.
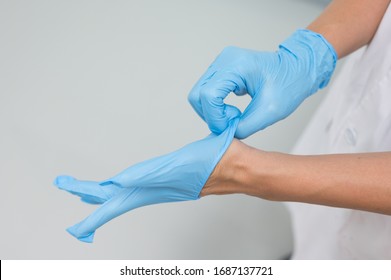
x=315, y=53
x=246, y=170
x=229, y=175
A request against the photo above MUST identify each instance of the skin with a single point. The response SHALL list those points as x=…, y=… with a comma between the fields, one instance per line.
x=350, y=24
x=356, y=181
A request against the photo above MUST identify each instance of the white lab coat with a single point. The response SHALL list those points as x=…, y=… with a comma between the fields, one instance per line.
x=354, y=117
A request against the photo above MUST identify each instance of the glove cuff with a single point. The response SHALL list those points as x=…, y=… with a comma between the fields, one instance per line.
x=319, y=53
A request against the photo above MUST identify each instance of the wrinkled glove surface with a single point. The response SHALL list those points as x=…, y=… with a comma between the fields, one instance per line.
x=277, y=82
x=177, y=176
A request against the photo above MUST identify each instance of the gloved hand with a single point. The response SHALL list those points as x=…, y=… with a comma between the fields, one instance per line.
x=177, y=176
x=276, y=81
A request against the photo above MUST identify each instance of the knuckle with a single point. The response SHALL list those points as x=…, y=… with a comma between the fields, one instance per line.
x=192, y=97
x=206, y=93
x=229, y=49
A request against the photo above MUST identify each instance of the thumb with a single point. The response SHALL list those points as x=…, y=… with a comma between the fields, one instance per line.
x=259, y=114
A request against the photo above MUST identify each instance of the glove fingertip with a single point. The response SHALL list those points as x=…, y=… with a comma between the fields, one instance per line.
x=62, y=181
x=240, y=136
x=242, y=131
x=85, y=238
x=248, y=125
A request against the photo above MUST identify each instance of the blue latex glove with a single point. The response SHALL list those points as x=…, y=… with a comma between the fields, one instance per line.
x=177, y=176
x=277, y=82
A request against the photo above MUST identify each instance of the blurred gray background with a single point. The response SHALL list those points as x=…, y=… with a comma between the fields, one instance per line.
x=88, y=88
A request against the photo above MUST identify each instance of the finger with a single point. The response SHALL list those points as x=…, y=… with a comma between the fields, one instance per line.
x=259, y=114
x=128, y=199
x=212, y=94
x=89, y=191
x=194, y=95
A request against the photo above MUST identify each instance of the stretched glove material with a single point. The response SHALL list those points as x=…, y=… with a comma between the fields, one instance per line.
x=177, y=176
x=277, y=82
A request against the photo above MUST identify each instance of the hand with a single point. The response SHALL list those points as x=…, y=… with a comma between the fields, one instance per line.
x=276, y=81
x=177, y=176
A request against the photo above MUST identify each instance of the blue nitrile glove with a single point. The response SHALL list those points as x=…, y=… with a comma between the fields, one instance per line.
x=177, y=176
x=276, y=81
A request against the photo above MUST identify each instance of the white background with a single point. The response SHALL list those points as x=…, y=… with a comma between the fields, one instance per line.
x=281, y=270
x=88, y=88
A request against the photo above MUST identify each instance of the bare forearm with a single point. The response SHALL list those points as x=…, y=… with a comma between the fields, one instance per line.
x=357, y=181
x=350, y=24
